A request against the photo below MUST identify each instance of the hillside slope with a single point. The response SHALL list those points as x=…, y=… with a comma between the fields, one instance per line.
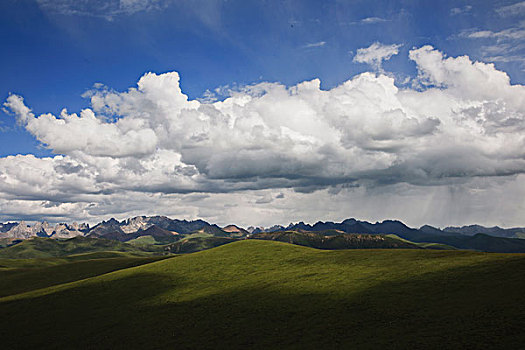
x=47, y=247
x=259, y=294
x=24, y=276
x=195, y=244
x=332, y=239
x=480, y=242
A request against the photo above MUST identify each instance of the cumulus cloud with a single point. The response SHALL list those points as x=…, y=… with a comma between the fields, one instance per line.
x=86, y=132
x=376, y=53
x=144, y=149
x=466, y=79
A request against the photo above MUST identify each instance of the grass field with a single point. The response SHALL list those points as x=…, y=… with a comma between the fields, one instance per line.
x=198, y=243
x=426, y=245
x=23, y=275
x=143, y=241
x=48, y=248
x=261, y=294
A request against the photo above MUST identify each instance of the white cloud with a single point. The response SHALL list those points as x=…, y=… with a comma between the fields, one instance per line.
x=376, y=53
x=463, y=78
x=101, y=8
x=367, y=20
x=460, y=10
x=505, y=58
x=86, y=132
x=509, y=34
x=502, y=46
x=317, y=44
x=516, y=9
x=373, y=20
x=501, y=49
x=146, y=150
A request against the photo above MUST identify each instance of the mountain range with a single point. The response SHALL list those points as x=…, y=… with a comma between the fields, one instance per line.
x=164, y=230
x=395, y=227
x=21, y=230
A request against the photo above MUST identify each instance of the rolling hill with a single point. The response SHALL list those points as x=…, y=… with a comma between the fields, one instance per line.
x=333, y=239
x=47, y=247
x=480, y=242
x=24, y=275
x=426, y=234
x=196, y=244
x=261, y=295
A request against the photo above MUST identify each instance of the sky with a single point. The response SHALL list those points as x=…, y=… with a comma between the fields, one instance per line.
x=263, y=112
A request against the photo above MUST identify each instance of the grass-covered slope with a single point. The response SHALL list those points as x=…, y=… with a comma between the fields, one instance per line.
x=196, y=244
x=481, y=242
x=25, y=275
x=332, y=239
x=260, y=294
x=425, y=245
x=48, y=247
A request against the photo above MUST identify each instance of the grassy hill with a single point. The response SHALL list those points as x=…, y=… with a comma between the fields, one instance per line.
x=143, y=241
x=262, y=294
x=48, y=247
x=425, y=245
x=333, y=239
x=6, y=242
x=480, y=241
x=23, y=275
x=196, y=243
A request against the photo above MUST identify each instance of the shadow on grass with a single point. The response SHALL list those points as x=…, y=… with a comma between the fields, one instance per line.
x=479, y=306
x=23, y=280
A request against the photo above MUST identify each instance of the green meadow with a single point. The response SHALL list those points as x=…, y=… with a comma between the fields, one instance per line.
x=265, y=295
x=22, y=275
x=51, y=248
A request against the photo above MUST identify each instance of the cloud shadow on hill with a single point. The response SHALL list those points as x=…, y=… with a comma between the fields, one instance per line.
x=471, y=306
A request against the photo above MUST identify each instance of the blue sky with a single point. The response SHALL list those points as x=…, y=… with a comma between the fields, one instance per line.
x=52, y=57
x=55, y=51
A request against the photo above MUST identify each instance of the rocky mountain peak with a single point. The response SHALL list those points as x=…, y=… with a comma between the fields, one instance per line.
x=135, y=224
